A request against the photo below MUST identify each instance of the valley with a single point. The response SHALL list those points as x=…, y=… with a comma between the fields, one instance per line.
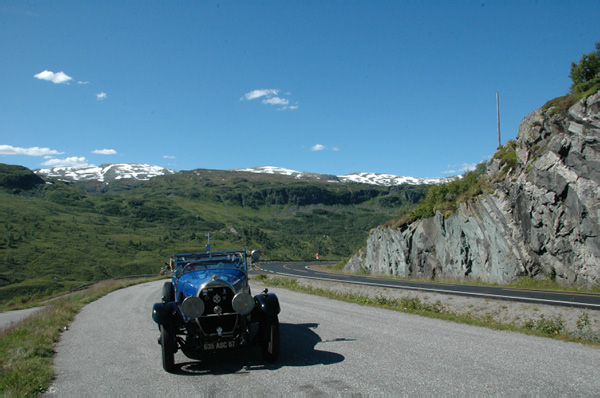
x=56, y=235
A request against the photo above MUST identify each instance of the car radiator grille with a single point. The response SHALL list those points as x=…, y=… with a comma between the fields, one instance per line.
x=210, y=325
x=218, y=310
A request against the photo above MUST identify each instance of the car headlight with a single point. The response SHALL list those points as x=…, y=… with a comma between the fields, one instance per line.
x=193, y=307
x=243, y=303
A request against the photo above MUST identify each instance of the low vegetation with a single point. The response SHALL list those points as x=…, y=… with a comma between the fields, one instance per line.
x=507, y=158
x=26, y=350
x=445, y=197
x=586, y=81
x=586, y=74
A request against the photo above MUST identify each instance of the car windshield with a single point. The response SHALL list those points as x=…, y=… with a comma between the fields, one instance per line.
x=200, y=261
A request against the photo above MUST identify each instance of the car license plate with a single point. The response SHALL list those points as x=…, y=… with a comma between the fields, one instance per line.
x=219, y=345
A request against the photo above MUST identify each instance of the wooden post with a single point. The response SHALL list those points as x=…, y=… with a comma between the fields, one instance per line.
x=498, y=117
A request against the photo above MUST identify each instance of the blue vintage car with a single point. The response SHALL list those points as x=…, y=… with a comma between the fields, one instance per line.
x=208, y=307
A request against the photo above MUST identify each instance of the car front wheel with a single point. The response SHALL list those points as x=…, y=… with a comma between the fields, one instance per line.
x=167, y=342
x=269, y=333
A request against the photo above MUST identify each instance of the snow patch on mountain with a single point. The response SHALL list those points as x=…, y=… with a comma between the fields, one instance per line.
x=143, y=172
x=362, y=178
x=105, y=172
x=272, y=170
x=388, y=179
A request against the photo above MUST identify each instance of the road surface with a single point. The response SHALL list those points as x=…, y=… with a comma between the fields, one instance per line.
x=10, y=318
x=550, y=297
x=328, y=347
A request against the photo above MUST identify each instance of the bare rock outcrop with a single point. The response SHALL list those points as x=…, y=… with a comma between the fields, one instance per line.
x=541, y=218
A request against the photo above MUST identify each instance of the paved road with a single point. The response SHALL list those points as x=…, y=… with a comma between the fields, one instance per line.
x=10, y=318
x=550, y=297
x=328, y=347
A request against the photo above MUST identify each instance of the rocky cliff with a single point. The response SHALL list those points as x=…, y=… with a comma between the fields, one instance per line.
x=539, y=218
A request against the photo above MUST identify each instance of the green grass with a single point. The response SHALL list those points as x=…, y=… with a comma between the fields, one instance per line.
x=547, y=283
x=27, y=349
x=445, y=197
x=561, y=105
x=545, y=327
x=507, y=155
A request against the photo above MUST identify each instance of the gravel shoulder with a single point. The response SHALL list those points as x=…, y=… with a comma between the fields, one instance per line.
x=502, y=311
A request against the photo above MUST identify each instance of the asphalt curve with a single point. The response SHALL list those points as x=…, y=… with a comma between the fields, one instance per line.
x=328, y=347
x=550, y=297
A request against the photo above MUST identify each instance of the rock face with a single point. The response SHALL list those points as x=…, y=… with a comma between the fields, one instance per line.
x=541, y=220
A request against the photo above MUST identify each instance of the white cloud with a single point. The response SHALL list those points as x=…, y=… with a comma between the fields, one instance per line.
x=33, y=151
x=455, y=169
x=254, y=94
x=80, y=82
x=56, y=78
x=270, y=96
x=72, y=161
x=101, y=96
x=318, y=147
x=168, y=157
x=335, y=149
x=104, y=152
x=276, y=101
x=468, y=167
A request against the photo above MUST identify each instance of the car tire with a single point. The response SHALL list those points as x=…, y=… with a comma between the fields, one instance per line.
x=269, y=337
x=167, y=342
x=168, y=292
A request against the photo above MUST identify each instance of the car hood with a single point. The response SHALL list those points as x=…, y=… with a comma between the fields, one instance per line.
x=191, y=282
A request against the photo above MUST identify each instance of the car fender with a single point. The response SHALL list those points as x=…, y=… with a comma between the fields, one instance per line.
x=267, y=303
x=164, y=313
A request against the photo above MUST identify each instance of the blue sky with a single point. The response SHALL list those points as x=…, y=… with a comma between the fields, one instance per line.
x=398, y=87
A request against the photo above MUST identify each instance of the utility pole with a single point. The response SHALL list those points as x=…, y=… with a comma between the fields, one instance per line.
x=498, y=117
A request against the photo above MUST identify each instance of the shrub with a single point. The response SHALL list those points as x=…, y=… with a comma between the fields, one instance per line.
x=507, y=155
x=586, y=81
x=586, y=74
x=445, y=197
x=553, y=326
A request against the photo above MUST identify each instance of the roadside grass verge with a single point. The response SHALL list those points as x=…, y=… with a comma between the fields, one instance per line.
x=27, y=349
x=546, y=327
x=523, y=282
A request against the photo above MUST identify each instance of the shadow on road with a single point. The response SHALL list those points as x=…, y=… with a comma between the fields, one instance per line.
x=298, y=348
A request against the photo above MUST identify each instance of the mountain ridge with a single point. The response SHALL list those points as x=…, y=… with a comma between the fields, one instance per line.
x=106, y=172
x=110, y=172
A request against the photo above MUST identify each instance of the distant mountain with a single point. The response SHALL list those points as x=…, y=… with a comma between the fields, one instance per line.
x=18, y=177
x=142, y=172
x=105, y=172
x=385, y=180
